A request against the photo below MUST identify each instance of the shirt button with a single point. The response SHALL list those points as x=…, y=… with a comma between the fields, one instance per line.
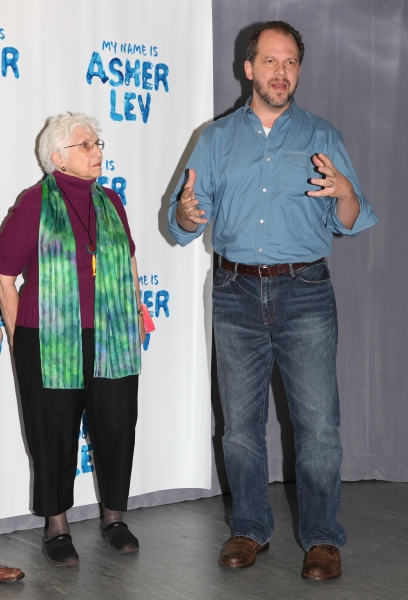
x=259, y=130
x=260, y=250
x=261, y=221
x=268, y=160
x=264, y=190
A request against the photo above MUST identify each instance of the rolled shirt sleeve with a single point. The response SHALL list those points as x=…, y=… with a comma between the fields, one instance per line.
x=200, y=161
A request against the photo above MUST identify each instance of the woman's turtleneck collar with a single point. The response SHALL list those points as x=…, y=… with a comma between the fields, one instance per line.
x=74, y=187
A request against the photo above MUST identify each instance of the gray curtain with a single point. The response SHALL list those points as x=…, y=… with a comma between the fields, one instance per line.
x=354, y=76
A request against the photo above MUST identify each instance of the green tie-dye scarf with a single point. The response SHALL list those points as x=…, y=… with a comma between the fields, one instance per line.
x=117, y=349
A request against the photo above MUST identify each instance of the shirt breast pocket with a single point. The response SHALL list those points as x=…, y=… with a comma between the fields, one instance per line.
x=297, y=171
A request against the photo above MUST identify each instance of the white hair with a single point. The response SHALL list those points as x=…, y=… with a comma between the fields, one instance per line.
x=56, y=135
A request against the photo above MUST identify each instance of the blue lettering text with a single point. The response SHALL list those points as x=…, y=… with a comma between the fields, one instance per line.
x=107, y=46
x=129, y=106
x=113, y=114
x=144, y=108
x=116, y=62
x=9, y=58
x=96, y=69
x=132, y=73
x=162, y=301
x=147, y=75
x=161, y=72
x=119, y=185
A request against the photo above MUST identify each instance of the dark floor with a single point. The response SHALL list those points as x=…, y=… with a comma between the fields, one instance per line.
x=180, y=544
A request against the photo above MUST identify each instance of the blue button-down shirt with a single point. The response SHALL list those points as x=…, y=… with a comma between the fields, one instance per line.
x=254, y=188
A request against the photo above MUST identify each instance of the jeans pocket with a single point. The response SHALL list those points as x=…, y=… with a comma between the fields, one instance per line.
x=222, y=278
x=314, y=274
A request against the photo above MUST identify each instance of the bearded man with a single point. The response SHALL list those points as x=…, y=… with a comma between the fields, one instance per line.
x=277, y=182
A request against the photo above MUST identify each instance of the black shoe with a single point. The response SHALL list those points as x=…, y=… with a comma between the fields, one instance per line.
x=120, y=538
x=60, y=551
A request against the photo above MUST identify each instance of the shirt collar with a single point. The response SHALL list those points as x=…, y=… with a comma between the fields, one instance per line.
x=293, y=110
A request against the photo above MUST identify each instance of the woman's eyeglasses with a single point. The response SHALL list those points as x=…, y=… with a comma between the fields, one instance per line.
x=88, y=145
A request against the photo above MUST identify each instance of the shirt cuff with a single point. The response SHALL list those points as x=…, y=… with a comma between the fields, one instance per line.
x=182, y=236
x=366, y=218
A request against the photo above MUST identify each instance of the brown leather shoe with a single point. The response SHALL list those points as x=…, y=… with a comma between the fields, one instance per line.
x=9, y=575
x=322, y=562
x=240, y=552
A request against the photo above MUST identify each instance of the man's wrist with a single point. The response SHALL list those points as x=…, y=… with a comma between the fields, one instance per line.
x=349, y=199
x=187, y=225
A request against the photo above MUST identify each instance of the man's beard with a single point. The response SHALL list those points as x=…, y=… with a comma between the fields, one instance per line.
x=278, y=102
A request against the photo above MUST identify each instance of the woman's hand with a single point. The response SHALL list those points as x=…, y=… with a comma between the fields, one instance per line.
x=9, y=304
x=142, y=332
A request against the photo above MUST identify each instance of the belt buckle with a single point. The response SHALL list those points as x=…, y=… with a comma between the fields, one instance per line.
x=262, y=267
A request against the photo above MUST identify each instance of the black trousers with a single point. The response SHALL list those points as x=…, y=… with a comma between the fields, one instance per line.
x=52, y=420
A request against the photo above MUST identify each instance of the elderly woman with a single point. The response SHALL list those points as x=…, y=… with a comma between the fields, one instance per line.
x=76, y=330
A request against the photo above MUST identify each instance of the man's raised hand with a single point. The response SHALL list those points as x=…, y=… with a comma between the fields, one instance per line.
x=335, y=184
x=188, y=216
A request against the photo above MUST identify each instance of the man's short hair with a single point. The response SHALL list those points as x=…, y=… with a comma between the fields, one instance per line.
x=282, y=27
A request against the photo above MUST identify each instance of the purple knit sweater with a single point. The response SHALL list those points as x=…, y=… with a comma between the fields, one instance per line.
x=19, y=245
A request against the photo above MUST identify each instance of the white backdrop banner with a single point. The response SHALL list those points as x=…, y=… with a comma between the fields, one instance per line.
x=144, y=69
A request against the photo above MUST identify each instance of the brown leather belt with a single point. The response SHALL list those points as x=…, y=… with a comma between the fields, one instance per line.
x=264, y=270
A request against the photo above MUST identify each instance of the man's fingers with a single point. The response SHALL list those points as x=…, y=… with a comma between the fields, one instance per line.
x=192, y=212
x=325, y=160
x=187, y=195
x=195, y=215
x=188, y=192
x=327, y=171
x=322, y=193
x=334, y=184
x=327, y=188
x=324, y=183
x=191, y=179
x=326, y=168
x=188, y=210
x=189, y=204
x=317, y=161
x=198, y=220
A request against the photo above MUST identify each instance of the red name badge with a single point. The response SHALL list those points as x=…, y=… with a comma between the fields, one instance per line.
x=147, y=320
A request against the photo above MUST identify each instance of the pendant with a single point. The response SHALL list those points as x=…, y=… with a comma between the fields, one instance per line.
x=91, y=248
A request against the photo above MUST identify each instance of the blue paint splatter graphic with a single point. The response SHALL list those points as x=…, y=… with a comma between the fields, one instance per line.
x=86, y=457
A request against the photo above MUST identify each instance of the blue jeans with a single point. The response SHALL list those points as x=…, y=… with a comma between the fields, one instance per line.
x=292, y=318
